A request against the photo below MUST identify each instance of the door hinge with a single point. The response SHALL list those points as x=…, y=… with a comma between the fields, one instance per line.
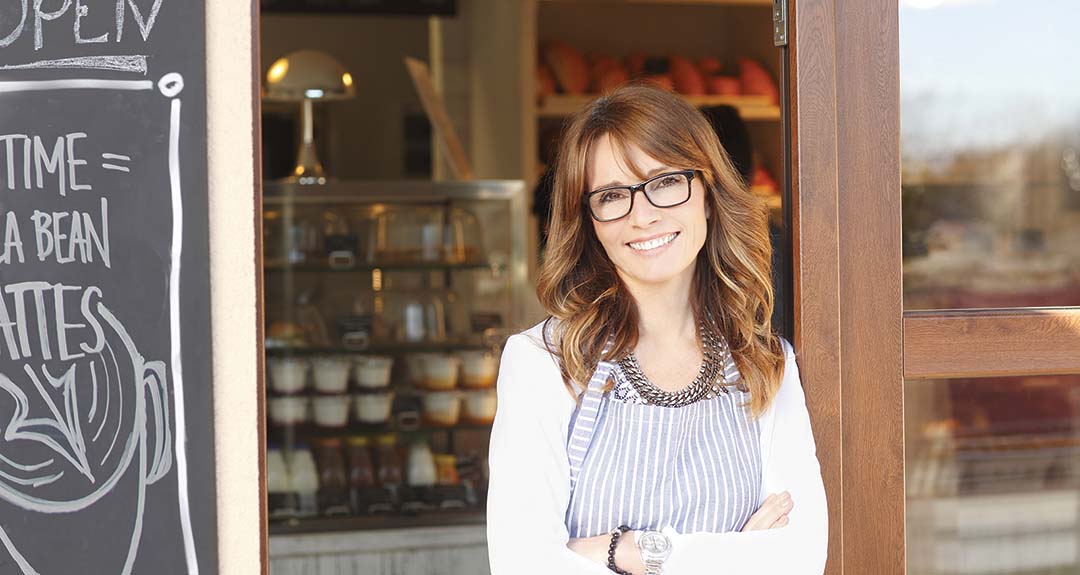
x=779, y=22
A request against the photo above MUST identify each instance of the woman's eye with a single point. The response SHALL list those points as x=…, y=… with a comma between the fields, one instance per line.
x=667, y=181
x=612, y=196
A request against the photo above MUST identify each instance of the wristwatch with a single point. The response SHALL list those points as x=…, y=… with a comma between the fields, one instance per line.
x=655, y=548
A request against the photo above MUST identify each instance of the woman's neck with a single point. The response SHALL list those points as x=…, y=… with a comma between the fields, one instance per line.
x=665, y=311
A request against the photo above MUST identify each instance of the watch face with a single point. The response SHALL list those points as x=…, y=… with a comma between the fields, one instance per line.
x=654, y=542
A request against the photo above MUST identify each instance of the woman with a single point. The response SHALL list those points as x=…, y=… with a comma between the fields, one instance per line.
x=654, y=423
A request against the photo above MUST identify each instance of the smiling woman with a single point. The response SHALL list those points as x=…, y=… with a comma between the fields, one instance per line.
x=654, y=423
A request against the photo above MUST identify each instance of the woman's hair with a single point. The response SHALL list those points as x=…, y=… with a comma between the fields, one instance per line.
x=732, y=289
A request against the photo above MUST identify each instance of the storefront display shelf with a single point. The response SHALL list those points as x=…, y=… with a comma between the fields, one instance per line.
x=376, y=348
x=751, y=108
x=296, y=526
x=282, y=267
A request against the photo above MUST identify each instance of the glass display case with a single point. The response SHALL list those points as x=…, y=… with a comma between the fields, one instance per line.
x=387, y=304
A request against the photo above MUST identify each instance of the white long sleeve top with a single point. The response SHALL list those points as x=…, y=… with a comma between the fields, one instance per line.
x=529, y=483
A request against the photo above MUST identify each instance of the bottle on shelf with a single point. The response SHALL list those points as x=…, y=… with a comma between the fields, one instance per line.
x=333, y=492
x=281, y=497
x=305, y=481
x=422, y=472
x=390, y=474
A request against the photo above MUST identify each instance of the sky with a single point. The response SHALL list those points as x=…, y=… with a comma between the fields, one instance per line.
x=987, y=73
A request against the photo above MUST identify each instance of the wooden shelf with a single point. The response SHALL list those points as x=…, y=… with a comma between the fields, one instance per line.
x=751, y=108
x=468, y=516
x=761, y=3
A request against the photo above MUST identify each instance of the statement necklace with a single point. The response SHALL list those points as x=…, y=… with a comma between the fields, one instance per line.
x=705, y=385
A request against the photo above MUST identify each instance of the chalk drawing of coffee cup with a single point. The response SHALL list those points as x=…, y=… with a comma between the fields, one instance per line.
x=80, y=442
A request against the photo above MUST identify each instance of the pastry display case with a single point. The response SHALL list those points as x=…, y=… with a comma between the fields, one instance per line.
x=387, y=304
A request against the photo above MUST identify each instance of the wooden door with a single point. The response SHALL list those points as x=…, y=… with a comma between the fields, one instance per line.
x=937, y=292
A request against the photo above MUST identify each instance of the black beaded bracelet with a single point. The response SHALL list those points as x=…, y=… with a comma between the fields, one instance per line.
x=615, y=534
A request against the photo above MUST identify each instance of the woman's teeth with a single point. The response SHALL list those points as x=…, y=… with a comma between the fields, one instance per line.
x=653, y=243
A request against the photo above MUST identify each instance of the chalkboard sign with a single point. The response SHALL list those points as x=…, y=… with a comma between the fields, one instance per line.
x=106, y=439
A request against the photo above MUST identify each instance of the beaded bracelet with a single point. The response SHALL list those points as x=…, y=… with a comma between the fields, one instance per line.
x=615, y=534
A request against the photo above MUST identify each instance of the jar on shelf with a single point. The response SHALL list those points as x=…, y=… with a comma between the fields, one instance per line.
x=373, y=407
x=442, y=408
x=331, y=411
x=462, y=239
x=409, y=234
x=413, y=316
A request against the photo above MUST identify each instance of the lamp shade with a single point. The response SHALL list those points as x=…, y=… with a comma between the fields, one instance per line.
x=307, y=75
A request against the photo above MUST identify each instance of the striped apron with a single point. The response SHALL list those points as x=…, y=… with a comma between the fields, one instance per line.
x=696, y=468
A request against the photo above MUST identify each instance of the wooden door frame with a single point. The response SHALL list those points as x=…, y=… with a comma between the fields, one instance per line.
x=843, y=78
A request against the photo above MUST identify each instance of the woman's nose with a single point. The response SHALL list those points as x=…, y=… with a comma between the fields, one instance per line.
x=643, y=213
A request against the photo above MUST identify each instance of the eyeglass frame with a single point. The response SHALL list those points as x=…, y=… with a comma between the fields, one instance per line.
x=690, y=174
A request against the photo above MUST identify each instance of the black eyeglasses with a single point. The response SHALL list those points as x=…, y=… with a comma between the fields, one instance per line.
x=664, y=191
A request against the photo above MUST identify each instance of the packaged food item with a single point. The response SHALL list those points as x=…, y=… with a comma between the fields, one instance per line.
x=330, y=373
x=446, y=469
x=288, y=375
x=442, y=408
x=288, y=410
x=479, y=369
x=331, y=411
x=440, y=371
x=305, y=480
x=372, y=371
x=373, y=408
x=422, y=471
x=333, y=492
x=480, y=406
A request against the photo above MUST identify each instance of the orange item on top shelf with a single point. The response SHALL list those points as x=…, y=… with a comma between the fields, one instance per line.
x=762, y=179
x=709, y=66
x=606, y=73
x=635, y=64
x=724, y=86
x=545, y=81
x=569, y=67
x=686, y=77
x=662, y=81
x=757, y=81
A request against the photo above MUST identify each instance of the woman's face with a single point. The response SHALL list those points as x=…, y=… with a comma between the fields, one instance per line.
x=631, y=241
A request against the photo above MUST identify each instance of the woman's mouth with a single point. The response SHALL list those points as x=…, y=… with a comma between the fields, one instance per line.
x=653, y=244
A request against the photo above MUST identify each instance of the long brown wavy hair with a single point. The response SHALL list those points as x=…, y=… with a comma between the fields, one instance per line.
x=732, y=287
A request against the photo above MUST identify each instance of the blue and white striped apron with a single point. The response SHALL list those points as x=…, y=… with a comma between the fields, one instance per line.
x=695, y=468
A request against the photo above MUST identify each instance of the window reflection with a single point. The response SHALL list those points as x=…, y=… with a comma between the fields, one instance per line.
x=993, y=475
x=990, y=140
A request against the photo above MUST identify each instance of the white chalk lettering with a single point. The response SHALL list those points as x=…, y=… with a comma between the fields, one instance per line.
x=12, y=240
x=80, y=12
x=73, y=161
x=42, y=15
x=70, y=237
x=35, y=161
x=72, y=340
x=17, y=31
x=51, y=163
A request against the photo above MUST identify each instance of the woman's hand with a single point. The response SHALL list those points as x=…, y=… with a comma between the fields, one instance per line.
x=627, y=556
x=772, y=514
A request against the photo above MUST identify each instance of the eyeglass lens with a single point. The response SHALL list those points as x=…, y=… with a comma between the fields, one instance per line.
x=663, y=192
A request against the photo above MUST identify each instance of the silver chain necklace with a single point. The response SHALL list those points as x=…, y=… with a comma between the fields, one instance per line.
x=705, y=385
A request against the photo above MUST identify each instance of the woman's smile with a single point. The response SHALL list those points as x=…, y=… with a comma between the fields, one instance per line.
x=654, y=245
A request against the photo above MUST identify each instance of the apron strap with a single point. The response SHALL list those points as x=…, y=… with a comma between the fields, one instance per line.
x=584, y=424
